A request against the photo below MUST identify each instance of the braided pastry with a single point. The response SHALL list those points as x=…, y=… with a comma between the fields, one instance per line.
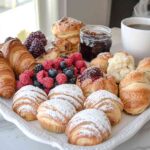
x=107, y=102
x=7, y=78
x=27, y=100
x=54, y=114
x=68, y=92
x=18, y=56
x=88, y=127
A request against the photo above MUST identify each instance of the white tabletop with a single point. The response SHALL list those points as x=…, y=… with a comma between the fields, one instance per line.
x=11, y=138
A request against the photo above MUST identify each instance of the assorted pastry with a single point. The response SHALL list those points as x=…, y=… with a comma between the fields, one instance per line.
x=66, y=94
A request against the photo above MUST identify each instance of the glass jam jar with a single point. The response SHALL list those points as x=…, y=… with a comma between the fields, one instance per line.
x=94, y=39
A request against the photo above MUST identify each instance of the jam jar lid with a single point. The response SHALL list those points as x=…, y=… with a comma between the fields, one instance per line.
x=96, y=32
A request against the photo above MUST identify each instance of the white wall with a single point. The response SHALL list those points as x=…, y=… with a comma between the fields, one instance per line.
x=90, y=11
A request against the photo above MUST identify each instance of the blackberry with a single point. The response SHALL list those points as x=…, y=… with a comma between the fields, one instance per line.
x=38, y=68
x=72, y=80
x=69, y=73
x=52, y=73
x=63, y=65
x=36, y=48
x=39, y=35
x=37, y=84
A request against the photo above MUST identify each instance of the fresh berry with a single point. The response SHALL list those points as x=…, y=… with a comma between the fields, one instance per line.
x=19, y=85
x=72, y=57
x=82, y=69
x=64, y=70
x=38, y=68
x=46, y=90
x=52, y=73
x=69, y=73
x=25, y=79
x=77, y=56
x=36, y=48
x=37, y=84
x=75, y=71
x=48, y=82
x=40, y=75
x=61, y=78
x=29, y=73
x=56, y=63
x=48, y=64
x=69, y=62
x=63, y=65
x=38, y=35
x=72, y=80
x=79, y=64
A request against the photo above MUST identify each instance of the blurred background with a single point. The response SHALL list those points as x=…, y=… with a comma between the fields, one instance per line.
x=21, y=16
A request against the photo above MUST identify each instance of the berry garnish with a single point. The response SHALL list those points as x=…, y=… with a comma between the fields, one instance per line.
x=52, y=73
x=40, y=75
x=61, y=78
x=79, y=64
x=48, y=64
x=46, y=90
x=37, y=84
x=38, y=68
x=19, y=85
x=69, y=73
x=63, y=65
x=48, y=82
x=78, y=56
x=72, y=80
x=69, y=62
x=25, y=79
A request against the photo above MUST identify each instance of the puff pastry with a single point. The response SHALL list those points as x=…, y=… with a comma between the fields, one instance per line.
x=54, y=114
x=27, y=100
x=88, y=127
x=93, y=79
x=7, y=78
x=18, y=56
x=107, y=102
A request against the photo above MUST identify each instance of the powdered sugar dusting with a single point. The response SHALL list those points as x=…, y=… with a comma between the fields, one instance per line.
x=26, y=108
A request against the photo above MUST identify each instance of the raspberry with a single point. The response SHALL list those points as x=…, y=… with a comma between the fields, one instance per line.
x=75, y=71
x=61, y=78
x=56, y=63
x=72, y=57
x=25, y=79
x=69, y=62
x=30, y=73
x=47, y=64
x=48, y=82
x=77, y=56
x=46, y=90
x=19, y=85
x=40, y=75
x=82, y=69
x=79, y=64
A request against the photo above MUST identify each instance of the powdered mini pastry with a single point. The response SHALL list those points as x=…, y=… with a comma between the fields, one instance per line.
x=120, y=65
x=88, y=127
x=93, y=79
x=107, y=102
x=27, y=100
x=54, y=114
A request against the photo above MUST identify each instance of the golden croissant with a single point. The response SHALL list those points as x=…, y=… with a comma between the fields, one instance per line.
x=7, y=78
x=18, y=56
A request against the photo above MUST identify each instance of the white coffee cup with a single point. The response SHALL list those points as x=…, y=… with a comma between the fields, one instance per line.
x=136, y=41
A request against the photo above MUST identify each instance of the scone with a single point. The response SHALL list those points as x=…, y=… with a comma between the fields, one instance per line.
x=101, y=61
x=88, y=127
x=120, y=65
x=93, y=79
x=54, y=114
x=70, y=93
x=106, y=102
x=27, y=100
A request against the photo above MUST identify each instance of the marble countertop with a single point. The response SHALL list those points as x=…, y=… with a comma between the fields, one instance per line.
x=12, y=138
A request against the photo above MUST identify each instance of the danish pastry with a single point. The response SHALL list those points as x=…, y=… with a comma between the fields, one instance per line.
x=93, y=79
x=101, y=61
x=54, y=114
x=69, y=92
x=107, y=102
x=120, y=65
x=7, y=78
x=88, y=127
x=27, y=100
x=18, y=56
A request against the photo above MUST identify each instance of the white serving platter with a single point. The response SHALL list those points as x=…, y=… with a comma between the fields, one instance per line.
x=122, y=132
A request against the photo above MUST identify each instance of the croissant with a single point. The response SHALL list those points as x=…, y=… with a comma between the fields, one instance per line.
x=88, y=127
x=18, y=56
x=134, y=91
x=54, y=114
x=107, y=102
x=7, y=78
x=27, y=100
x=68, y=92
